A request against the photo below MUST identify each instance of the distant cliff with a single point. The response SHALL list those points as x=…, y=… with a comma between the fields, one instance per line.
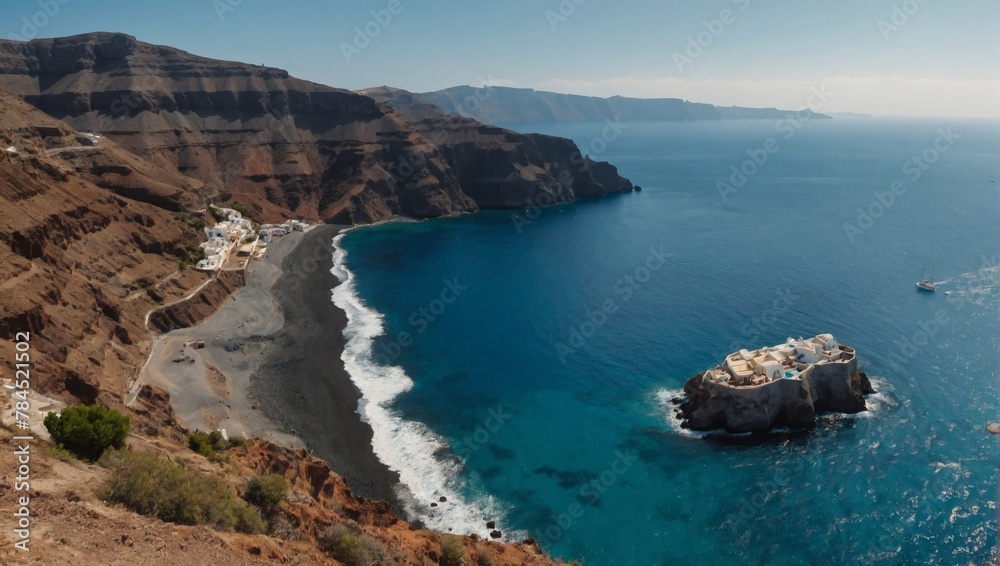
x=494, y=105
x=502, y=169
x=285, y=146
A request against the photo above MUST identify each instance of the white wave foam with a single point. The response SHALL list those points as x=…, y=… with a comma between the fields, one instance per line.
x=665, y=397
x=882, y=400
x=977, y=286
x=406, y=447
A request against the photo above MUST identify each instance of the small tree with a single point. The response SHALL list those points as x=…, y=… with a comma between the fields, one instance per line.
x=452, y=550
x=88, y=430
x=266, y=493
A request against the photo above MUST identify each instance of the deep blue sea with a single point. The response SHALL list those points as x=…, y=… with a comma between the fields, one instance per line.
x=521, y=363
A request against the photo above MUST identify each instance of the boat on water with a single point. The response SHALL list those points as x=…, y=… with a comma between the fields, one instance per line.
x=926, y=285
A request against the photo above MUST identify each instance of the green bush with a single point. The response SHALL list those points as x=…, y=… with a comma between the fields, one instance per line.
x=267, y=493
x=353, y=548
x=243, y=210
x=216, y=214
x=193, y=255
x=484, y=557
x=200, y=443
x=452, y=550
x=151, y=486
x=192, y=221
x=61, y=454
x=88, y=430
x=208, y=443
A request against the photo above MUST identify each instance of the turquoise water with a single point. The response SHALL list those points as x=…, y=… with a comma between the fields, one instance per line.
x=525, y=368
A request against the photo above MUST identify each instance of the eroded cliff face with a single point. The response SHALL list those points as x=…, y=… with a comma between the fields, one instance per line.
x=76, y=522
x=284, y=146
x=793, y=403
x=500, y=168
x=326, y=500
x=82, y=262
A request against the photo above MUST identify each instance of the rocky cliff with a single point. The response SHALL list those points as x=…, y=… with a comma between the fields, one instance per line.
x=284, y=146
x=499, y=168
x=71, y=522
x=794, y=403
x=88, y=245
x=496, y=105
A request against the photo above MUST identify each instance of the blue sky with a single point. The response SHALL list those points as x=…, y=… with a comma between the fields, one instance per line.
x=903, y=57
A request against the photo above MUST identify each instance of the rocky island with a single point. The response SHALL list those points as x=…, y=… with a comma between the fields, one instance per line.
x=786, y=385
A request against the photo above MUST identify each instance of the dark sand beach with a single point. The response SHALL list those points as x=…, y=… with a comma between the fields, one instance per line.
x=301, y=381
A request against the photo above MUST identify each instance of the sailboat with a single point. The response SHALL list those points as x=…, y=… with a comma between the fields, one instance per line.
x=924, y=284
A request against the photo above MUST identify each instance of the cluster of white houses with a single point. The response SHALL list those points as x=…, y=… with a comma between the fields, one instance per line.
x=222, y=238
x=233, y=232
x=791, y=360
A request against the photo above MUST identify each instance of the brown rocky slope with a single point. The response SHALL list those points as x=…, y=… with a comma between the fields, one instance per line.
x=70, y=522
x=288, y=146
x=84, y=257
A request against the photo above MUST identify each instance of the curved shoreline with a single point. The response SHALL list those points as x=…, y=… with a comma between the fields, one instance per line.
x=302, y=377
x=431, y=488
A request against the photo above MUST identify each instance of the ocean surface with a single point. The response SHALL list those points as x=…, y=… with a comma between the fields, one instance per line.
x=521, y=363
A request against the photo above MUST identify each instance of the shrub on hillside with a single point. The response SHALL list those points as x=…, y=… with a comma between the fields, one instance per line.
x=353, y=548
x=217, y=214
x=267, y=493
x=151, y=486
x=88, y=430
x=243, y=210
x=452, y=551
x=192, y=255
x=206, y=443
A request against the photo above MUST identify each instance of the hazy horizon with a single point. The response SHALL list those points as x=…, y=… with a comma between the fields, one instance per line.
x=885, y=58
